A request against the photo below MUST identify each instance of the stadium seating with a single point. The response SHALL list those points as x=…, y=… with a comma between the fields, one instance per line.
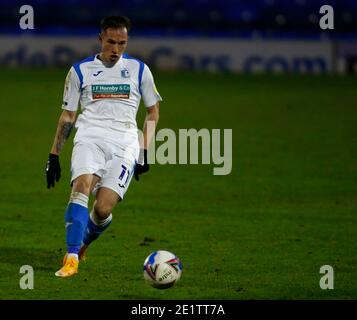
x=186, y=16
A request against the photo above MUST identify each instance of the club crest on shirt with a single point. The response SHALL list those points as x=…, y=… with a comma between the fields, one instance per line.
x=110, y=91
x=125, y=73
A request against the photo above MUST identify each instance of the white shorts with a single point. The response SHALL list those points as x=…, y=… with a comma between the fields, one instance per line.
x=113, y=163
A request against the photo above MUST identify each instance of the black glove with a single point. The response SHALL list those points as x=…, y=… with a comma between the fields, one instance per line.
x=142, y=166
x=53, y=170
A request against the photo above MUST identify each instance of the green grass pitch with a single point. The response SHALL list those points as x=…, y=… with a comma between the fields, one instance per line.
x=263, y=232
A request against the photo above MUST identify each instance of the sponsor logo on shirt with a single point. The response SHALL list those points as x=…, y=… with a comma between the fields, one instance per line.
x=110, y=91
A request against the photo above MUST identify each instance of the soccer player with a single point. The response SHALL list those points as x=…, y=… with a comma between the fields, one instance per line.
x=106, y=152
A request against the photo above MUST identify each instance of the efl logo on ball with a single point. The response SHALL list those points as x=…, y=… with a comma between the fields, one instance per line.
x=162, y=269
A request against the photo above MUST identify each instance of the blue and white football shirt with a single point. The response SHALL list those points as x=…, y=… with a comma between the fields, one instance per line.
x=109, y=96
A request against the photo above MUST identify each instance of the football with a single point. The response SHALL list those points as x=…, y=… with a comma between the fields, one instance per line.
x=162, y=269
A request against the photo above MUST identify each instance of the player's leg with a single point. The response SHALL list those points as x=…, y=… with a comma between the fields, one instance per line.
x=100, y=217
x=91, y=233
x=110, y=189
x=80, y=185
x=76, y=216
x=86, y=160
x=76, y=219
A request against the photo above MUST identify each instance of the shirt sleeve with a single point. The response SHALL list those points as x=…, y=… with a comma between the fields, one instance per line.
x=72, y=91
x=149, y=92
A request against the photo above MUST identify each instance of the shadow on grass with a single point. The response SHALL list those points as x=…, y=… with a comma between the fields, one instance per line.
x=39, y=259
x=82, y=287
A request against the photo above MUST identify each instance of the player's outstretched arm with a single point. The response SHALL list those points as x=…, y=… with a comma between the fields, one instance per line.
x=64, y=128
x=150, y=123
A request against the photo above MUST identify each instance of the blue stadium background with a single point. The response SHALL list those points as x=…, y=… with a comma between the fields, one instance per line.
x=244, y=18
x=254, y=35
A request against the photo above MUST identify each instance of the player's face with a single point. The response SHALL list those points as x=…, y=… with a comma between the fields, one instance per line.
x=114, y=42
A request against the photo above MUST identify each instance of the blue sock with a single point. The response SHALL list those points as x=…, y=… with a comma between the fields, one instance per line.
x=95, y=228
x=76, y=219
